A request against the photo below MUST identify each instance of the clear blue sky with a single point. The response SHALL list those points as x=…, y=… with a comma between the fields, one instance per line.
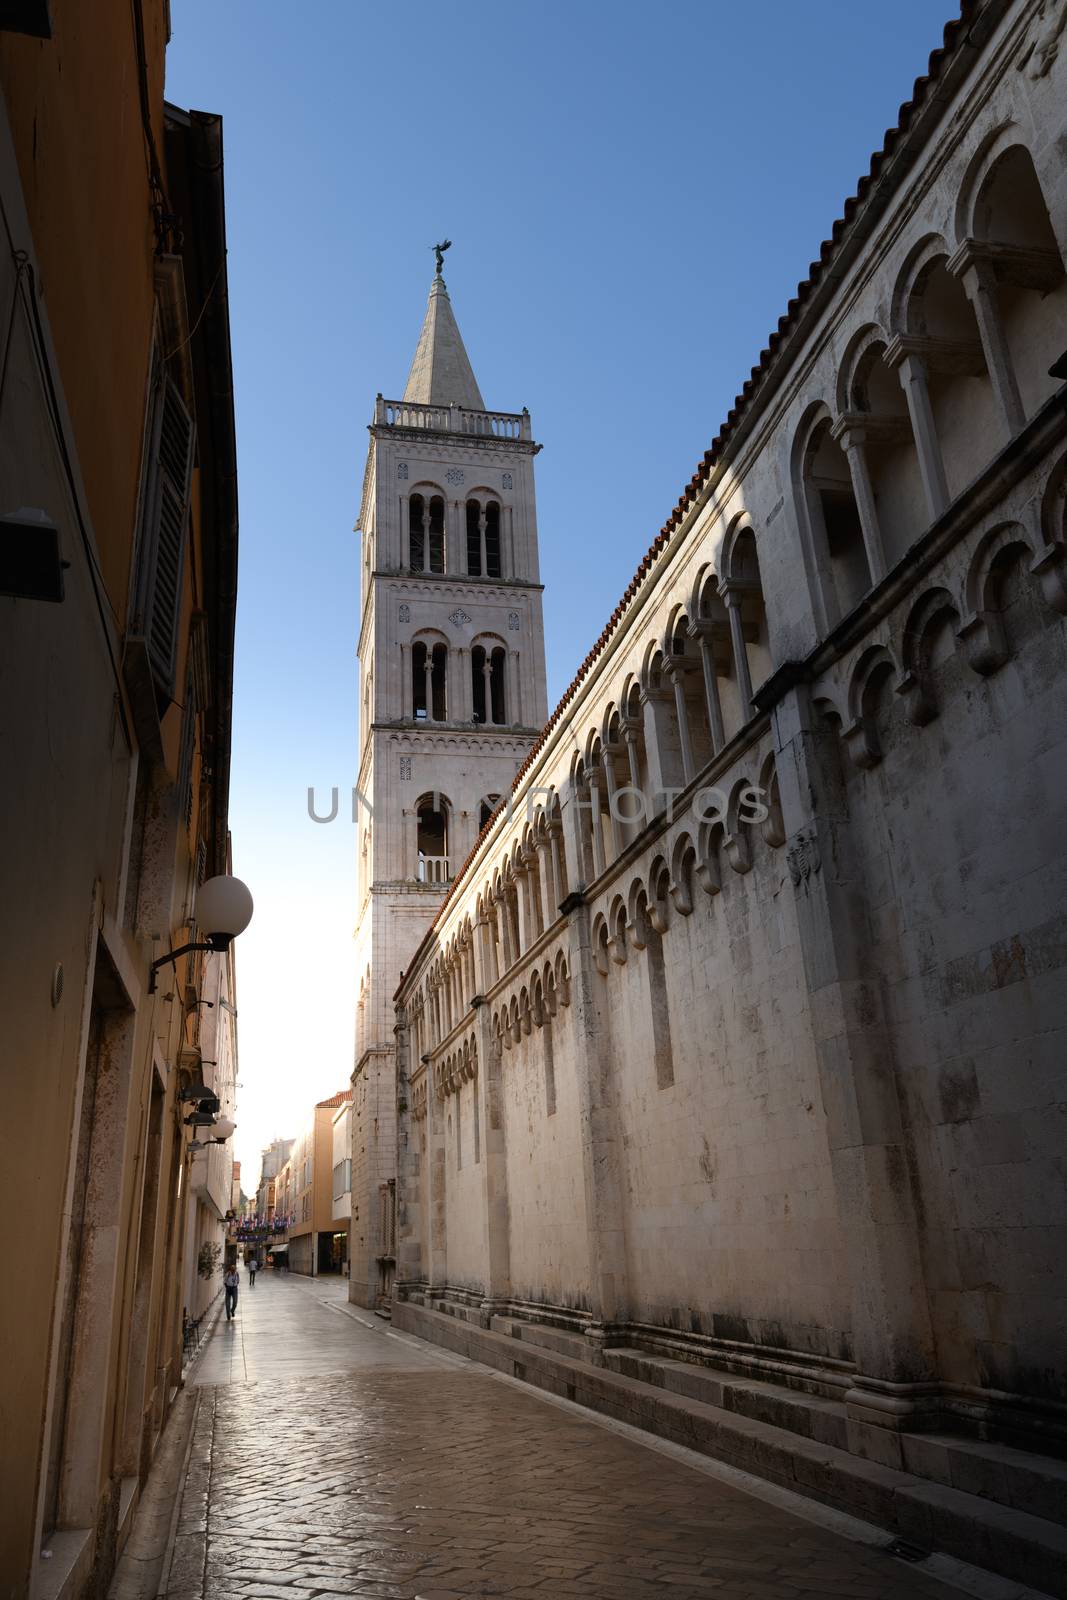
x=633, y=192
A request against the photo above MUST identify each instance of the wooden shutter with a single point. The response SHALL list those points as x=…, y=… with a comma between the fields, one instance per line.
x=166, y=517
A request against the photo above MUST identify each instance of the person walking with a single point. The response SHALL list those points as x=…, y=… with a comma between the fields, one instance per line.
x=253, y=1268
x=231, y=1282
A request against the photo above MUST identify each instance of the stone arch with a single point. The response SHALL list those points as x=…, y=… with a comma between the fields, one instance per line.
x=738, y=836
x=941, y=352
x=563, y=978
x=659, y=893
x=828, y=517
x=929, y=636
x=710, y=839
x=426, y=535
x=874, y=423
x=616, y=923
x=599, y=938
x=773, y=825
x=429, y=675
x=683, y=866
x=433, y=818
x=489, y=689
x=871, y=676
x=742, y=589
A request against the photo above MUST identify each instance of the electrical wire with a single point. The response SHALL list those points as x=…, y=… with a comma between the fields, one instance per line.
x=99, y=587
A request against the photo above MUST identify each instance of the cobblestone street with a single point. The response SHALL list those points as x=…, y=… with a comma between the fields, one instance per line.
x=333, y=1456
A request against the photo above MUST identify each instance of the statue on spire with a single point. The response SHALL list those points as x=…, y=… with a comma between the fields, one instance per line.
x=439, y=252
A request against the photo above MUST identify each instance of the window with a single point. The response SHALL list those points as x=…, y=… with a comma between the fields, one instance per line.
x=487, y=683
x=429, y=681
x=426, y=523
x=483, y=538
x=431, y=815
x=165, y=515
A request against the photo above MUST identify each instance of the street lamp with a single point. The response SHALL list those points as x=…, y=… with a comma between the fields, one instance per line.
x=224, y=909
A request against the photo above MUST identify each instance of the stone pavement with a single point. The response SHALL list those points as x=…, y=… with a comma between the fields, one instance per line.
x=333, y=1456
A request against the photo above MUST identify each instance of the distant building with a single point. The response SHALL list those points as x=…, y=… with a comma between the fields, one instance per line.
x=342, y=1184
x=308, y=1176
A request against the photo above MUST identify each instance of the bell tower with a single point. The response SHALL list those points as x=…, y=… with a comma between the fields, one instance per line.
x=452, y=686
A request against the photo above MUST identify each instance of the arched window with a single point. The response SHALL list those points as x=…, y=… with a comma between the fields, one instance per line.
x=834, y=522
x=742, y=589
x=875, y=425
x=426, y=524
x=431, y=838
x=483, y=539
x=486, y=809
x=965, y=415
x=487, y=684
x=1015, y=247
x=429, y=680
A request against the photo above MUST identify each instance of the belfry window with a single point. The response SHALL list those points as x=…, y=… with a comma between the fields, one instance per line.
x=487, y=684
x=431, y=822
x=426, y=523
x=483, y=539
x=429, y=677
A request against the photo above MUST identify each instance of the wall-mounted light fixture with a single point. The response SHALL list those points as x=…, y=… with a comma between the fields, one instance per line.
x=223, y=909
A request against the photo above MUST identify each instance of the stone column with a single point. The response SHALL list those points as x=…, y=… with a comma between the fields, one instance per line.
x=853, y=440
x=494, y=1169
x=482, y=552
x=912, y=371
x=867, y=1140
x=555, y=843
x=480, y=953
x=732, y=597
x=522, y=895
x=975, y=272
x=504, y=911
x=407, y=699
x=487, y=679
x=513, y=690
x=598, y=829
x=428, y=684
x=711, y=687
x=461, y=680
x=436, y=1181
x=613, y=833
x=549, y=897
x=663, y=775
x=425, y=535
x=676, y=674
x=409, y=1263
x=598, y=1130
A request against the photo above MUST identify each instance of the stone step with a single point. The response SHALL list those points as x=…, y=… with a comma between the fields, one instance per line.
x=1018, y=1478
x=805, y=1414
x=451, y=1308
x=1001, y=1472
x=544, y=1336
x=934, y=1515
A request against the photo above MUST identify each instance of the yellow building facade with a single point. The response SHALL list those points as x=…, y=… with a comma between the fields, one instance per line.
x=117, y=459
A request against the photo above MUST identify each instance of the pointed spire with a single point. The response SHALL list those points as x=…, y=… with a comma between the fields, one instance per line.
x=441, y=373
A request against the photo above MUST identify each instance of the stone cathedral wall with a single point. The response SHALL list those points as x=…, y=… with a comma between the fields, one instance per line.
x=774, y=1070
